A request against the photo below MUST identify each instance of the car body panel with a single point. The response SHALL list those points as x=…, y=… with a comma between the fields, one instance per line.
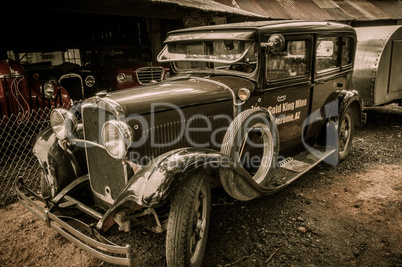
x=181, y=92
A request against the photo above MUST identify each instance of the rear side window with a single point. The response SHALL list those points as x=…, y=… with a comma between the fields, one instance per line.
x=327, y=53
x=292, y=61
x=347, y=51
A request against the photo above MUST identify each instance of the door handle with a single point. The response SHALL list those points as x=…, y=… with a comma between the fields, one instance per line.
x=339, y=85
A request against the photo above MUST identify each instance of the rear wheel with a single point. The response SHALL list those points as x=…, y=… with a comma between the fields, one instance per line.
x=345, y=134
x=188, y=223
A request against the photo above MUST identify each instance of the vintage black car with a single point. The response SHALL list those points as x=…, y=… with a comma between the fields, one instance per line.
x=55, y=66
x=250, y=106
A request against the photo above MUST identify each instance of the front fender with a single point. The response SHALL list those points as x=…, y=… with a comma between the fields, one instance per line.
x=153, y=184
x=60, y=165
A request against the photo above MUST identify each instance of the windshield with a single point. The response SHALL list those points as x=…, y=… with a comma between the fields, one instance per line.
x=211, y=55
x=54, y=58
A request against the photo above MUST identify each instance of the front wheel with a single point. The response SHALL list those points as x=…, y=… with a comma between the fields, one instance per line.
x=188, y=223
x=44, y=186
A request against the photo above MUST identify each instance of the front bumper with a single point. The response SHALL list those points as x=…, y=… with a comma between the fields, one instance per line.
x=58, y=223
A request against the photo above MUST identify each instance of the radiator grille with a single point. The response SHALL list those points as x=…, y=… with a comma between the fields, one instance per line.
x=147, y=74
x=107, y=175
x=73, y=85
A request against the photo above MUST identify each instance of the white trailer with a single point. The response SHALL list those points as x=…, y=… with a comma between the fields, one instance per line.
x=378, y=64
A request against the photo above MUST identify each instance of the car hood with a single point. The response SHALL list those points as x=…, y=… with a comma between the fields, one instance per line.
x=178, y=93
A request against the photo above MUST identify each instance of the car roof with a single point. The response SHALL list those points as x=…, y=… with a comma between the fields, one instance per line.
x=276, y=26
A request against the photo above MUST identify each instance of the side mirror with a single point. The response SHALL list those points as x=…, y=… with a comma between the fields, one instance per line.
x=276, y=43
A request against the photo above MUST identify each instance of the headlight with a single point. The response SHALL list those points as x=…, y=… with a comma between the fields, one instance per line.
x=48, y=89
x=63, y=123
x=121, y=78
x=243, y=94
x=117, y=137
x=90, y=81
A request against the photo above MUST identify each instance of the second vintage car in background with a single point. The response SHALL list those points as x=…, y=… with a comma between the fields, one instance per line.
x=87, y=71
x=62, y=66
x=20, y=92
x=120, y=67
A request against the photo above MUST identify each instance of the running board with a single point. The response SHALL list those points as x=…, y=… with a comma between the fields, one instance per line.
x=292, y=168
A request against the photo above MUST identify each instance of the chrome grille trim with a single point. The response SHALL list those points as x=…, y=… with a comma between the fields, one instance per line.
x=147, y=74
x=106, y=104
x=73, y=75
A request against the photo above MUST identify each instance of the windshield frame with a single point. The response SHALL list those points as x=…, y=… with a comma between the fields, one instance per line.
x=199, y=57
x=250, y=45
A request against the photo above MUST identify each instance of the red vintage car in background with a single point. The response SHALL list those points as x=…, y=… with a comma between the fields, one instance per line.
x=121, y=67
x=19, y=95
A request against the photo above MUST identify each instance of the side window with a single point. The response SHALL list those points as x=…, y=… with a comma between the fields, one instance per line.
x=73, y=56
x=327, y=53
x=290, y=62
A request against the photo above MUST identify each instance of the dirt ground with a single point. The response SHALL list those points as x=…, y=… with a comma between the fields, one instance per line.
x=350, y=214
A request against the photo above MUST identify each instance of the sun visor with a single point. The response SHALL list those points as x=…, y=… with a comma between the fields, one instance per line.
x=222, y=35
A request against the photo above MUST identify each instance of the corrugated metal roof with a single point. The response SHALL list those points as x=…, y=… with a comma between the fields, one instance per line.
x=227, y=2
x=392, y=8
x=312, y=10
x=348, y=9
x=340, y=14
x=274, y=9
x=338, y=10
x=325, y=4
x=292, y=9
x=209, y=5
x=252, y=5
x=364, y=8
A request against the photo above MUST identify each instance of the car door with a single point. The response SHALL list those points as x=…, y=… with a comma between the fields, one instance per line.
x=287, y=87
x=332, y=72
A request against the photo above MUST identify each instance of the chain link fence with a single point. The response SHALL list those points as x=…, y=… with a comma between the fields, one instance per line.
x=16, y=159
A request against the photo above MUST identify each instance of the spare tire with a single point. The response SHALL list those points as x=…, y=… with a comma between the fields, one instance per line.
x=251, y=141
